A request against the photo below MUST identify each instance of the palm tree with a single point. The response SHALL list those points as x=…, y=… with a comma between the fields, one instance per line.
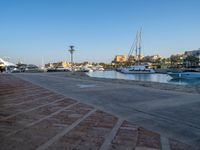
x=175, y=60
x=192, y=61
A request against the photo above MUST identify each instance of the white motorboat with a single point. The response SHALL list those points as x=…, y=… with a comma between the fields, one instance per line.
x=98, y=68
x=15, y=70
x=86, y=69
x=140, y=69
x=62, y=69
x=32, y=68
x=187, y=74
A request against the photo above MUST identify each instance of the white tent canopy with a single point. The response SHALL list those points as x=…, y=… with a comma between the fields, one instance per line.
x=5, y=63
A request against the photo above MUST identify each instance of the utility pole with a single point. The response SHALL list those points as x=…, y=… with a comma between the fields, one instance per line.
x=71, y=50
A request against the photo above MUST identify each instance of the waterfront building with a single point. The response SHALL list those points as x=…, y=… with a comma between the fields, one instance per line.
x=49, y=65
x=60, y=64
x=176, y=60
x=153, y=58
x=119, y=59
x=195, y=53
x=131, y=58
x=136, y=57
x=192, y=58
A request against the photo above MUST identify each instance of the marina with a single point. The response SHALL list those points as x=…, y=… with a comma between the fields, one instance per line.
x=100, y=75
x=156, y=77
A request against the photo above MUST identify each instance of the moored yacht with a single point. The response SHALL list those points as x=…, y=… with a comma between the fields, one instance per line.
x=32, y=68
x=86, y=69
x=137, y=69
x=187, y=74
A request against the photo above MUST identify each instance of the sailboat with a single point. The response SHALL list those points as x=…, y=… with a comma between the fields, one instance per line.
x=138, y=68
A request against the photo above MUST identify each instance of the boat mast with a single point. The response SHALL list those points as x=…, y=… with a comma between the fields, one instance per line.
x=136, y=47
x=139, y=46
x=132, y=48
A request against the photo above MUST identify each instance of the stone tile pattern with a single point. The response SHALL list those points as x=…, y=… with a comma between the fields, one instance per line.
x=30, y=116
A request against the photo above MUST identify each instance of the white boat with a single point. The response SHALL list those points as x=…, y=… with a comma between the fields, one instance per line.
x=62, y=69
x=32, y=68
x=15, y=70
x=139, y=69
x=99, y=68
x=188, y=74
x=86, y=69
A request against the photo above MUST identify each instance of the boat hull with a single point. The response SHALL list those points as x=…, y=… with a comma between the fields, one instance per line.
x=186, y=75
x=141, y=69
x=137, y=72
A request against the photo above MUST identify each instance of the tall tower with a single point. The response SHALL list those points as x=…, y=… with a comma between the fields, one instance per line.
x=71, y=50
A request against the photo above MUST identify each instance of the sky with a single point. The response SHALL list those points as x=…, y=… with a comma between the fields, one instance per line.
x=37, y=31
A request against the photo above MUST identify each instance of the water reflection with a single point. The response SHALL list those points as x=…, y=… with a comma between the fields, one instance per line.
x=185, y=81
x=162, y=78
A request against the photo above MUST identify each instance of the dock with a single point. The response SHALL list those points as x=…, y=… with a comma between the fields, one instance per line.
x=41, y=111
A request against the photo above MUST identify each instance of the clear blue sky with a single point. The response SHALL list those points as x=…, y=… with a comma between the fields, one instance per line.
x=99, y=29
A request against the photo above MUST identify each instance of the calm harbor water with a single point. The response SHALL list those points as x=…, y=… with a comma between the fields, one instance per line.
x=162, y=78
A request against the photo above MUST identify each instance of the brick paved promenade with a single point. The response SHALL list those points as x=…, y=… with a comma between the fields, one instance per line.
x=32, y=117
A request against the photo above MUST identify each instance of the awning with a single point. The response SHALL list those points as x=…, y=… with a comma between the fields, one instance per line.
x=6, y=63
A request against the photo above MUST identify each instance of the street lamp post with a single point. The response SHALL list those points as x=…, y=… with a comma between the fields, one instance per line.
x=71, y=50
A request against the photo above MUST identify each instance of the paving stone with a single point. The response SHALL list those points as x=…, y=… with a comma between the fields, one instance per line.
x=126, y=135
x=145, y=148
x=23, y=98
x=89, y=132
x=31, y=138
x=176, y=145
x=148, y=139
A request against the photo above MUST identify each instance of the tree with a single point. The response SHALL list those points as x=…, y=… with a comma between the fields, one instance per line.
x=158, y=60
x=191, y=61
x=175, y=60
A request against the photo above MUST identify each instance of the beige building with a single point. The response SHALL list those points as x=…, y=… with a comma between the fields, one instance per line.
x=119, y=58
x=155, y=57
x=152, y=58
x=61, y=64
